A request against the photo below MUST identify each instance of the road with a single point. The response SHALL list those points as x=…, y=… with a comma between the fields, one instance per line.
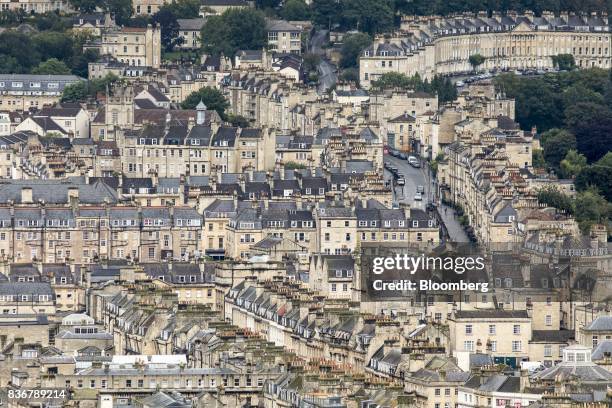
x=327, y=70
x=422, y=177
x=414, y=177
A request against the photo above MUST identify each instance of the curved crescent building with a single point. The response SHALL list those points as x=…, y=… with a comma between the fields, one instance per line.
x=433, y=45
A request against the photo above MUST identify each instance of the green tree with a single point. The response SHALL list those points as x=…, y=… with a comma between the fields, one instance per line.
x=85, y=6
x=169, y=27
x=233, y=30
x=291, y=165
x=591, y=208
x=120, y=9
x=556, y=143
x=185, y=8
x=12, y=46
x=238, y=120
x=370, y=16
x=327, y=13
x=75, y=92
x=537, y=158
x=350, y=75
x=572, y=164
x=592, y=125
x=476, y=60
x=80, y=62
x=391, y=80
x=212, y=98
x=100, y=85
x=311, y=62
x=295, y=10
x=552, y=197
x=564, y=62
x=443, y=86
x=352, y=46
x=52, y=66
x=54, y=45
x=599, y=175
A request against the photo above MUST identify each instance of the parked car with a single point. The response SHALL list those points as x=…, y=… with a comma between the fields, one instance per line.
x=401, y=181
x=459, y=83
x=418, y=197
x=402, y=156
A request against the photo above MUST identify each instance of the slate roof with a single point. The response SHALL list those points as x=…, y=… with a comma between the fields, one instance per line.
x=602, y=351
x=190, y=24
x=601, y=323
x=491, y=314
x=56, y=191
x=552, y=336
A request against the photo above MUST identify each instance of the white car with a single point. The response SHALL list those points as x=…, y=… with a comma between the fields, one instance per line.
x=418, y=197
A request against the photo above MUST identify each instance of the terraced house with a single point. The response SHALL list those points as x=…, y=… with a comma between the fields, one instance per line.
x=435, y=45
x=80, y=230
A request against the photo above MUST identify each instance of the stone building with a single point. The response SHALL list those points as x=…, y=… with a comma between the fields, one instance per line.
x=434, y=45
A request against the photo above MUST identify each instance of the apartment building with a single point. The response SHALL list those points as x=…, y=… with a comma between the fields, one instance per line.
x=189, y=32
x=72, y=122
x=284, y=37
x=27, y=298
x=82, y=232
x=147, y=7
x=36, y=6
x=21, y=92
x=134, y=46
x=215, y=7
x=504, y=334
x=436, y=45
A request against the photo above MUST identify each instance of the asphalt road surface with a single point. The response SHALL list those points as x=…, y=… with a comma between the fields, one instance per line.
x=422, y=177
x=414, y=177
x=327, y=70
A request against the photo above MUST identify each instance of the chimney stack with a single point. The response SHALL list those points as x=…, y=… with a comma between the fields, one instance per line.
x=26, y=195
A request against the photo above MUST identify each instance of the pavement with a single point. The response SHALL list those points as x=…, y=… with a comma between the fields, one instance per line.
x=327, y=70
x=455, y=230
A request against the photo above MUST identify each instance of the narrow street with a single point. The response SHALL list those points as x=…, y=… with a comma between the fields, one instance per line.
x=327, y=74
x=422, y=177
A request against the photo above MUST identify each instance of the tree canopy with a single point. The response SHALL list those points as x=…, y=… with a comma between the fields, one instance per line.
x=557, y=143
x=441, y=86
x=295, y=10
x=564, y=61
x=52, y=66
x=476, y=60
x=579, y=101
x=47, y=52
x=352, y=46
x=81, y=90
x=233, y=30
x=212, y=98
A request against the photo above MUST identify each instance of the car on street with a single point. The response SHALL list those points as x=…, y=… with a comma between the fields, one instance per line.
x=418, y=197
x=401, y=181
x=414, y=162
x=420, y=189
x=402, y=156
